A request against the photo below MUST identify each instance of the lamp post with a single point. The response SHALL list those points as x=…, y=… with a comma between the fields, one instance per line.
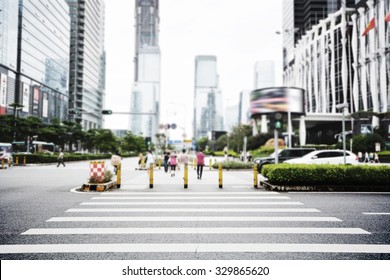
x=343, y=106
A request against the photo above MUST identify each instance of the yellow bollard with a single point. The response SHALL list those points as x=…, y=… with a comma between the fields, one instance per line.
x=24, y=160
x=2, y=164
x=186, y=175
x=159, y=163
x=210, y=163
x=220, y=175
x=118, y=175
x=255, y=181
x=151, y=176
x=17, y=160
x=194, y=163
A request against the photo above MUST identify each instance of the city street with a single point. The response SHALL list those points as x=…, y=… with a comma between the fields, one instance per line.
x=43, y=216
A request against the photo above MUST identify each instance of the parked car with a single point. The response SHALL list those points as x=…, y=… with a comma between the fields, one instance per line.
x=326, y=157
x=283, y=155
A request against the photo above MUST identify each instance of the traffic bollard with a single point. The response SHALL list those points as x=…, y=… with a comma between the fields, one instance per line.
x=159, y=163
x=151, y=176
x=255, y=181
x=2, y=164
x=194, y=163
x=17, y=160
x=210, y=163
x=24, y=160
x=220, y=175
x=118, y=175
x=185, y=175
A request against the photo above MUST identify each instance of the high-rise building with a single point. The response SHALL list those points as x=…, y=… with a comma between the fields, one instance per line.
x=87, y=62
x=34, y=57
x=300, y=16
x=342, y=63
x=208, y=106
x=145, y=96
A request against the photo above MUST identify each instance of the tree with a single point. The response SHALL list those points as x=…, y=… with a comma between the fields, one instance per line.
x=105, y=141
x=133, y=143
x=365, y=142
x=202, y=143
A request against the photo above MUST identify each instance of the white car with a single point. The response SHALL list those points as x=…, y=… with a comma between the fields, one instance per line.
x=326, y=157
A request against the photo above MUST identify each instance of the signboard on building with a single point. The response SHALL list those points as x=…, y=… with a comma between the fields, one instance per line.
x=277, y=100
x=3, y=93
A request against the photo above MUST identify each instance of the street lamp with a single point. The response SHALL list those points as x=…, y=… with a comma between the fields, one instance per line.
x=343, y=106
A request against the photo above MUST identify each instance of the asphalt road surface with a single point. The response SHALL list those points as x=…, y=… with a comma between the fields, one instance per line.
x=44, y=217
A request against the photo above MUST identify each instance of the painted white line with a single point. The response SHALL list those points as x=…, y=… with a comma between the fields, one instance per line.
x=195, y=248
x=189, y=197
x=196, y=230
x=192, y=203
x=369, y=213
x=181, y=210
x=251, y=193
x=194, y=219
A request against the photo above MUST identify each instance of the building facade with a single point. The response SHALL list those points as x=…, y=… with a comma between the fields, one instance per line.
x=34, y=56
x=208, y=101
x=87, y=62
x=336, y=63
x=299, y=16
x=145, y=96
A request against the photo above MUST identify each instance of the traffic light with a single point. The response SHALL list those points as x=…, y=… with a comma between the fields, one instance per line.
x=106, y=112
x=277, y=121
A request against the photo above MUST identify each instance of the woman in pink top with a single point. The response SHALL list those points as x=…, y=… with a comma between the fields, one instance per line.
x=199, y=163
x=173, y=163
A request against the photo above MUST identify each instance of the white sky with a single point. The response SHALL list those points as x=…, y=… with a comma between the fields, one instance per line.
x=237, y=32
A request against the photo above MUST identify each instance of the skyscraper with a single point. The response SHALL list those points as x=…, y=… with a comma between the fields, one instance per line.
x=87, y=62
x=34, y=57
x=145, y=96
x=208, y=109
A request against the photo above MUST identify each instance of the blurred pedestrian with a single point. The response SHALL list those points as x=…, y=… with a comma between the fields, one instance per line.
x=376, y=158
x=199, y=163
x=173, y=163
x=115, y=161
x=149, y=161
x=366, y=157
x=165, y=162
x=60, y=159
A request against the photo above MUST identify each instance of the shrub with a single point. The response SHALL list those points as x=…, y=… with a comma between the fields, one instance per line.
x=326, y=174
x=233, y=165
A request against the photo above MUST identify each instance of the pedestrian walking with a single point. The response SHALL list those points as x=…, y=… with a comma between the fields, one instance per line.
x=149, y=161
x=60, y=159
x=360, y=156
x=183, y=158
x=376, y=158
x=173, y=163
x=115, y=161
x=199, y=164
x=165, y=162
x=366, y=157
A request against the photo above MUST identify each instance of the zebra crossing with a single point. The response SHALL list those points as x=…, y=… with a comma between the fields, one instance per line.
x=193, y=222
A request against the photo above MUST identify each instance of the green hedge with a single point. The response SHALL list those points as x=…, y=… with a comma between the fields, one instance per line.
x=47, y=158
x=326, y=174
x=233, y=165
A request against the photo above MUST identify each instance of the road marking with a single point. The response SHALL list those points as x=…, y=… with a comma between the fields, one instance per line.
x=193, y=203
x=196, y=230
x=181, y=210
x=190, y=193
x=369, y=213
x=195, y=248
x=194, y=219
x=190, y=197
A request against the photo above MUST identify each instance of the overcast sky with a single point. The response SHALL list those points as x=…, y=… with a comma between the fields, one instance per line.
x=237, y=32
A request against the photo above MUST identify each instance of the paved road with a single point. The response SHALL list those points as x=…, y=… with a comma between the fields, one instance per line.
x=43, y=217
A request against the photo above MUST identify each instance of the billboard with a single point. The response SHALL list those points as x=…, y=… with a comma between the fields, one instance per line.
x=3, y=93
x=277, y=100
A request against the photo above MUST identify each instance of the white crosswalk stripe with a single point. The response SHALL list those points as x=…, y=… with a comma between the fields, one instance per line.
x=102, y=217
